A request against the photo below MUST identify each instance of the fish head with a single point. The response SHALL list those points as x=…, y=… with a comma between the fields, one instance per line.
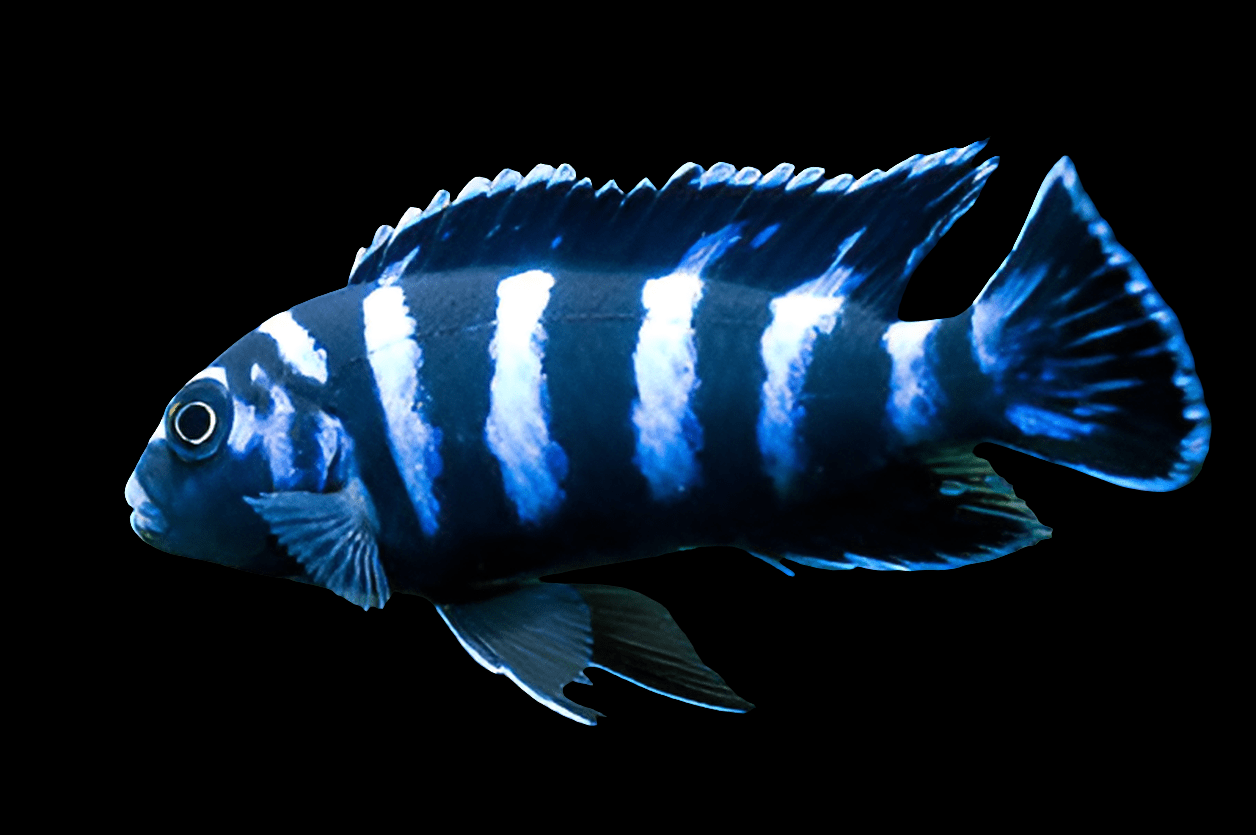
x=187, y=493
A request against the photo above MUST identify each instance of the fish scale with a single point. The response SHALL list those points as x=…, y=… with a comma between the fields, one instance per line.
x=539, y=376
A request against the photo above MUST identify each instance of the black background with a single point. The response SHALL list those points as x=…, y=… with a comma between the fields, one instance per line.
x=242, y=201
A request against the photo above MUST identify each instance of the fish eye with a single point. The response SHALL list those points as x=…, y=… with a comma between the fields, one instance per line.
x=195, y=422
x=198, y=419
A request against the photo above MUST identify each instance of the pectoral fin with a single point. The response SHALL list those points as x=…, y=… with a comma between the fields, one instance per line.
x=543, y=636
x=332, y=536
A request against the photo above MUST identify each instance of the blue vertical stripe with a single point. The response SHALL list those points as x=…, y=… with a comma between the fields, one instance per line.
x=665, y=364
x=396, y=359
x=914, y=393
x=517, y=428
x=798, y=318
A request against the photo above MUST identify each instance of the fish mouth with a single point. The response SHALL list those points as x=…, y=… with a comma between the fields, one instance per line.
x=146, y=518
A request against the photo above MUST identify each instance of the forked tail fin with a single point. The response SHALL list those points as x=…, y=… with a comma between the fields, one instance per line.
x=1088, y=364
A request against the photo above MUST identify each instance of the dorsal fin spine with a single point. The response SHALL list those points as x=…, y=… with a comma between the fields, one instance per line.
x=645, y=186
x=868, y=179
x=507, y=178
x=837, y=184
x=439, y=201
x=564, y=173
x=804, y=178
x=908, y=165
x=719, y=173
x=776, y=177
x=539, y=174
x=411, y=217
x=474, y=188
x=685, y=175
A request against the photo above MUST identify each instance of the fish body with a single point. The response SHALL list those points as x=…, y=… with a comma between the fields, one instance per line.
x=540, y=376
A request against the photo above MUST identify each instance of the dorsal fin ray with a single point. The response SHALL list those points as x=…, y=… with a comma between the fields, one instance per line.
x=791, y=227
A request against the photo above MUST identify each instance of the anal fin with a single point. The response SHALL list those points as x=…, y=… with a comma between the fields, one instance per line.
x=944, y=510
x=544, y=635
x=332, y=536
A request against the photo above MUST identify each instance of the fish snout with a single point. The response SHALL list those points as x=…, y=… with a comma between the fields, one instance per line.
x=146, y=518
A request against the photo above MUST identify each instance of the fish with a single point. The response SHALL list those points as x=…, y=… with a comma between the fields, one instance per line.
x=540, y=376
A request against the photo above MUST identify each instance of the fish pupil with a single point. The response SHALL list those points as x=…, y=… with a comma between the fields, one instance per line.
x=194, y=422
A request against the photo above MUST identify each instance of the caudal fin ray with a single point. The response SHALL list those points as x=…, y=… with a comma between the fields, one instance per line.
x=1088, y=364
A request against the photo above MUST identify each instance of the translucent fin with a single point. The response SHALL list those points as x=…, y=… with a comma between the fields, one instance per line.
x=1088, y=365
x=946, y=510
x=790, y=227
x=332, y=536
x=543, y=635
x=636, y=638
x=538, y=635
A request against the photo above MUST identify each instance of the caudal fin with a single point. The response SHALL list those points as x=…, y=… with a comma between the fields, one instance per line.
x=1089, y=365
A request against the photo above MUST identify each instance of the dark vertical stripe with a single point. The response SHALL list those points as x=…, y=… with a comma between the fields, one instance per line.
x=335, y=320
x=846, y=429
x=729, y=324
x=592, y=323
x=971, y=411
x=454, y=315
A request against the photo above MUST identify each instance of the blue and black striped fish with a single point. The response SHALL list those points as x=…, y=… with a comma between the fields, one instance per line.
x=540, y=376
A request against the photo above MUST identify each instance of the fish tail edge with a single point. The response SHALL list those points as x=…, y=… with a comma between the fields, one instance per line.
x=1087, y=365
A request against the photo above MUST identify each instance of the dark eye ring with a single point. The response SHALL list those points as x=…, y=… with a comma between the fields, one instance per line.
x=210, y=420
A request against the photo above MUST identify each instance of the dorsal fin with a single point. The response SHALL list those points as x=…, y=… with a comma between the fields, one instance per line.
x=791, y=228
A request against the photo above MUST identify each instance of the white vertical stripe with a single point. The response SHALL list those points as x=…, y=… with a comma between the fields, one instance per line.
x=913, y=389
x=395, y=359
x=668, y=433
x=296, y=346
x=517, y=429
x=272, y=432
x=669, y=436
x=797, y=319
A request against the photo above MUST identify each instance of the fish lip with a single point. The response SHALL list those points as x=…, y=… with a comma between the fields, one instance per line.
x=146, y=518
